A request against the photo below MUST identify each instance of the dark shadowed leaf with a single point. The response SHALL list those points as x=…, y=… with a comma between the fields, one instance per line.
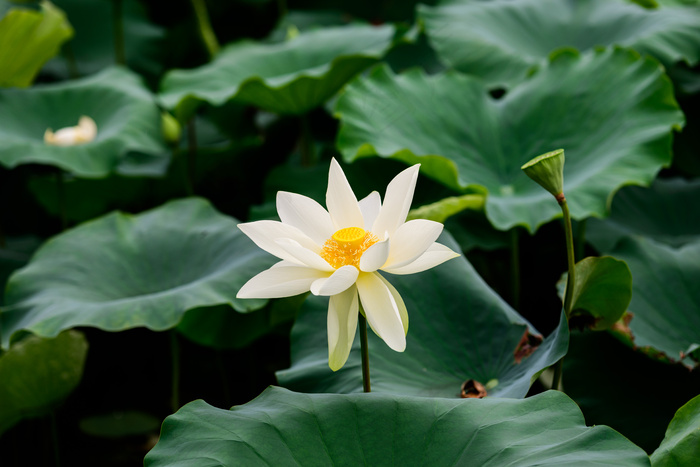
x=36, y=374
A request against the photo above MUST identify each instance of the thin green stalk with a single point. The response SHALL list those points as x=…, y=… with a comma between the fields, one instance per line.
x=362, y=322
x=118, y=25
x=570, y=280
x=175, y=359
x=71, y=61
x=580, y=239
x=54, y=438
x=205, y=29
x=191, y=155
x=61, y=188
x=558, y=372
x=569, y=255
x=515, y=267
x=306, y=144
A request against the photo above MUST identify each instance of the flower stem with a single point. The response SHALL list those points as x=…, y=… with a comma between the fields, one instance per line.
x=205, y=29
x=362, y=322
x=54, y=438
x=558, y=372
x=118, y=24
x=580, y=239
x=175, y=359
x=61, y=186
x=515, y=267
x=191, y=165
x=569, y=255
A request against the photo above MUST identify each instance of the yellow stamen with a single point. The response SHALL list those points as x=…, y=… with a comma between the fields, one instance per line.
x=346, y=246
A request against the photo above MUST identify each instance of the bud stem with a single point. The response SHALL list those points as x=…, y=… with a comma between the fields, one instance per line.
x=205, y=29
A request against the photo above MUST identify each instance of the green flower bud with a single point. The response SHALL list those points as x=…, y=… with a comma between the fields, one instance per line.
x=548, y=171
x=171, y=128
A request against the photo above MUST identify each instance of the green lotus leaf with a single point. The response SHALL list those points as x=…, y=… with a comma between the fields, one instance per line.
x=624, y=389
x=602, y=292
x=281, y=427
x=121, y=271
x=681, y=446
x=92, y=49
x=36, y=374
x=459, y=330
x=665, y=212
x=290, y=77
x=501, y=40
x=28, y=39
x=466, y=139
x=127, y=117
x=665, y=297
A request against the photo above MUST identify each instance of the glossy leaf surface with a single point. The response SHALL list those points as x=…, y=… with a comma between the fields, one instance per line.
x=122, y=271
x=127, y=117
x=285, y=428
x=290, y=77
x=474, y=141
x=501, y=40
x=681, y=446
x=665, y=297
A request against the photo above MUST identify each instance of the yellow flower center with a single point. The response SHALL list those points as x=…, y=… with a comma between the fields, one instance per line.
x=346, y=246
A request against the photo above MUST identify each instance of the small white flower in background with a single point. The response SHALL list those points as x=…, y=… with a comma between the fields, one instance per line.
x=338, y=253
x=85, y=132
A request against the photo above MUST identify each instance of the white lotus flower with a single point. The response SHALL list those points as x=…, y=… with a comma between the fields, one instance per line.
x=338, y=253
x=84, y=132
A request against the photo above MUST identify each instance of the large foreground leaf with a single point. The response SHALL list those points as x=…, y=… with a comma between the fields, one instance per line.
x=681, y=446
x=665, y=298
x=27, y=40
x=280, y=427
x=122, y=271
x=127, y=117
x=290, y=77
x=465, y=138
x=665, y=212
x=500, y=40
x=459, y=330
x=36, y=374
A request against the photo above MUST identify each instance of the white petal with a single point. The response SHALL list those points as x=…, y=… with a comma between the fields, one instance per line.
x=339, y=281
x=266, y=233
x=403, y=312
x=435, y=255
x=370, y=206
x=88, y=128
x=375, y=256
x=341, y=201
x=381, y=310
x=397, y=202
x=304, y=255
x=283, y=281
x=306, y=215
x=342, y=325
x=412, y=240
